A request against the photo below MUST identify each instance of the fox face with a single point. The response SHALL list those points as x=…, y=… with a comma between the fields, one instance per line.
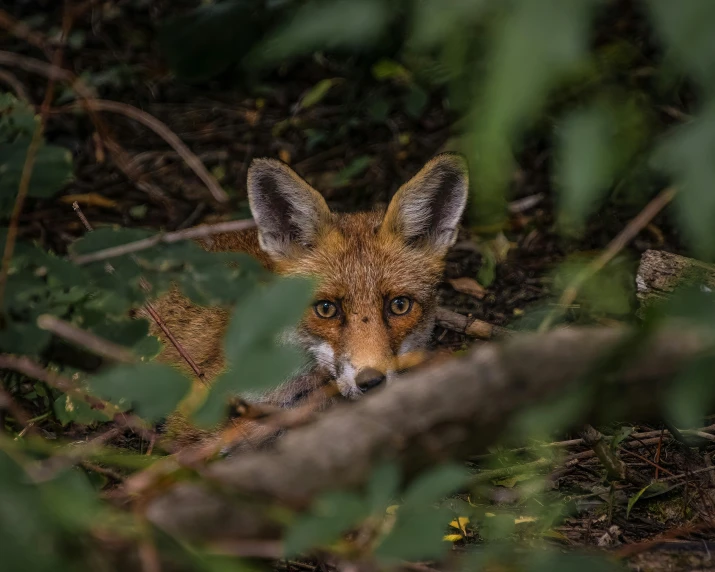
x=377, y=272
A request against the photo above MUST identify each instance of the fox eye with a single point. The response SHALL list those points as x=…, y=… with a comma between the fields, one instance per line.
x=325, y=309
x=400, y=305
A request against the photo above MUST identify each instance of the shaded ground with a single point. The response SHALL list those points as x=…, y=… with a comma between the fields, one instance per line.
x=358, y=162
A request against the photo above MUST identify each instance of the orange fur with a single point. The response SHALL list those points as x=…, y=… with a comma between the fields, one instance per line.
x=361, y=261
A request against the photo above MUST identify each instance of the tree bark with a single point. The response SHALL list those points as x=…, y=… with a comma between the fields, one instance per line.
x=447, y=411
x=660, y=273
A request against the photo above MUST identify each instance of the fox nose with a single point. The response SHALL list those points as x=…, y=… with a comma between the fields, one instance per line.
x=369, y=378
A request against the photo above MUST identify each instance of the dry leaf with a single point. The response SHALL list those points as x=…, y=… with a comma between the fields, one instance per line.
x=460, y=523
x=284, y=156
x=523, y=519
x=468, y=286
x=90, y=199
x=452, y=537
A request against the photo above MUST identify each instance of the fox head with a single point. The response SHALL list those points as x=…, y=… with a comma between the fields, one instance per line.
x=377, y=272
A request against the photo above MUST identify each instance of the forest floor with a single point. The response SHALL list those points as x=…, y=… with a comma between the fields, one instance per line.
x=358, y=161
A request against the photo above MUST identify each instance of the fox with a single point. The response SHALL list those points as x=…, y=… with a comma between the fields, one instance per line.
x=376, y=274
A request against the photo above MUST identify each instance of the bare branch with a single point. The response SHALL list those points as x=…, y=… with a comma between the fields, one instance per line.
x=92, y=104
x=85, y=339
x=614, y=247
x=451, y=410
x=166, y=238
x=470, y=326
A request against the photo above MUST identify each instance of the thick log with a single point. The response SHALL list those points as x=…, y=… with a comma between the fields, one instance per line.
x=447, y=411
x=660, y=273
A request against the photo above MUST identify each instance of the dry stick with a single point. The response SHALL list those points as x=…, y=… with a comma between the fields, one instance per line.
x=29, y=368
x=635, y=437
x=642, y=458
x=614, y=247
x=86, y=339
x=470, y=326
x=26, y=175
x=15, y=84
x=166, y=238
x=165, y=133
x=92, y=104
x=147, y=306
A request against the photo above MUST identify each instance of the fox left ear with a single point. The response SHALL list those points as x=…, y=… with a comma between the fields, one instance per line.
x=426, y=210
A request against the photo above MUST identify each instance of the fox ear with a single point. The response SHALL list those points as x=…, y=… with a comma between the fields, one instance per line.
x=289, y=212
x=426, y=210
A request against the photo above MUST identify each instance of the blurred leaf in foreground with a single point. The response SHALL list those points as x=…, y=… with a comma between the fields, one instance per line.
x=256, y=360
x=324, y=26
x=153, y=390
x=536, y=44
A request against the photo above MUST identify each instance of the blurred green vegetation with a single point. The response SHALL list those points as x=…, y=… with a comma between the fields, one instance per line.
x=510, y=70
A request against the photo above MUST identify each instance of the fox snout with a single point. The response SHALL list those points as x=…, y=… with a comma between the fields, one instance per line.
x=369, y=378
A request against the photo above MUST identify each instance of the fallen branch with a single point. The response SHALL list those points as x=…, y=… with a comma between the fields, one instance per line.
x=470, y=326
x=92, y=104
x=85, y=339
x=165, y=238
x=614, y=247
x=450, y=410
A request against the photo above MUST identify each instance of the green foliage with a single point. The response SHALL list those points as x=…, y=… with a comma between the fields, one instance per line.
x=255, y=359
x=53, y=164
x=152, y=390
x=512, y=69
x=418, y=532
x=323, y=25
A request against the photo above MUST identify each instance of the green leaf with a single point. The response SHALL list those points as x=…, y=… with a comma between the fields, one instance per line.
x=256, y=361
x=324, y=26
x=586, y=165
x=330, y=516
x=387, y=69
x=356, y=167
x=691, y=392
x=153, y=390
x=536, y=45
x=436, y=21
x=71, y=410
x=687, y=28
x=417, y=535
x=29, y=542
x=622, y=435
x=382, y=487
x=51, y=171
x=419, y=529
x=634, y=499
x=435, y=484
x=23, y=338
x=687, y=155
x=316, y=93
x=207, y=40
x=415, y=101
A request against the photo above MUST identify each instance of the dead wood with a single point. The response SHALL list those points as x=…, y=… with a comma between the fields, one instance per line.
x=447, y=411
x=660, y=273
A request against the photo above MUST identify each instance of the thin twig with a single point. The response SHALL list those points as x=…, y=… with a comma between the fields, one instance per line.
x=92, y=104
x=27, y=168
x=614, y=247
x=147, y=306
x=86, y=339
x=167, y=135
x=16, y=85
x=31, y=369
x=166, y=238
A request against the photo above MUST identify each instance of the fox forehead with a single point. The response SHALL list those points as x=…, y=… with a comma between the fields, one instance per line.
x=353, y=261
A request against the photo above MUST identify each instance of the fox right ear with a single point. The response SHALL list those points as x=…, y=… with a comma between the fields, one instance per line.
x=289, y=213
